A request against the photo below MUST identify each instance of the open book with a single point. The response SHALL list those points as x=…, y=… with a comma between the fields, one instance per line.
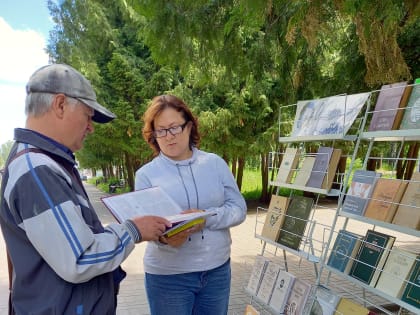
x=153, y=201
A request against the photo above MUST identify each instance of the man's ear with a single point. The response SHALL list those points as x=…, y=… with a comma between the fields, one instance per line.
x=58, y=104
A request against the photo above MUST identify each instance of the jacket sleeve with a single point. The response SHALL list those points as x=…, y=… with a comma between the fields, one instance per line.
x=54, y=218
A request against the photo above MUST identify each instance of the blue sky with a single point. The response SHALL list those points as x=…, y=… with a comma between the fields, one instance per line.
x=24, y=28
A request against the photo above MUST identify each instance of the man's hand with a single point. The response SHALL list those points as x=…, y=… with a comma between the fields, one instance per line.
x=151, y=227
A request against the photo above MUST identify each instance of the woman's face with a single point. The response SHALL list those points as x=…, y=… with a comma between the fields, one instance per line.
x=174, y=145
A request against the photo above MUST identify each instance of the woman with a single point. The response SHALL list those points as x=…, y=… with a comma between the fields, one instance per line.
x=188, y=273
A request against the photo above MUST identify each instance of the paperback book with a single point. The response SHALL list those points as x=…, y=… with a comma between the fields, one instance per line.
x=359, y=192
x=275, y=217
x=371, y=257
x=304, y=171
x=288, y=165
x=258, y=269
x=411, y=118
x=411, y=293
x=385, y=199
x=408, y=211
x=344, y=251
x=295, y=222
x=396, y=271
x=268, y=281
x=281, y=291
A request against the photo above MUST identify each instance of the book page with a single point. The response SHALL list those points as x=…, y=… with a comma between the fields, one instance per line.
x=150, y=201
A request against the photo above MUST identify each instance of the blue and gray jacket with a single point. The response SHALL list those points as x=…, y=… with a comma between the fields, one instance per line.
x=64, y=260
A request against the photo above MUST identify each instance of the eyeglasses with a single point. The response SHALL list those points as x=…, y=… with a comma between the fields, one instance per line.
x=173, y=130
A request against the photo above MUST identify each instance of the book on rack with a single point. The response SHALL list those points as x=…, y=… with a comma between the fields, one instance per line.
x=251, y=310
x=153, y=201
x=268, y=281
x=408, y=212
x=371, y=257
x=397, y=268
x=359, y=192
x=387, y=106
x=411, y=118
x=349, y=307
x=325, y=301
x=344, y=251
x=257, y=273
x=275, y=217
x=304, y=171
x=281, y=291
x=325, y=168
x=299, y=295
x=411, y=293
x=385, y=198
x=288, y=165
x=294, y=224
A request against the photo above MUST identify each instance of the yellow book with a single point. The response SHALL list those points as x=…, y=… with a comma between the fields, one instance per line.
x=183, y=226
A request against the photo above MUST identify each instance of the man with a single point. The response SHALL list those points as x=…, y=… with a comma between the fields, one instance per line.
x=64, y=260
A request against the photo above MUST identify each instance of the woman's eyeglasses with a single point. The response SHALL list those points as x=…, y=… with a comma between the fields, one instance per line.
x=173, y=130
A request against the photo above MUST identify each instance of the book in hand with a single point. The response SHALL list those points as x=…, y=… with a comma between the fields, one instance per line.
x=281, y=291
x=258, y=269
x=411, y=118
x=385, y=199
x=294, y=224
x=153, y=201
x=344, y=250
x=387, y=106
x=304, y=171
x=349, y=307
x=408, y=211
x=268, y=281
x=371, y=257
x=288, y=165
x=298, y=297
x=325, y=301
x=275, y=217
x=397, y=268
x=411, y=293
x=359, y=192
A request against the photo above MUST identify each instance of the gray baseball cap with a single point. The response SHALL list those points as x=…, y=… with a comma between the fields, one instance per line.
x=61, y=78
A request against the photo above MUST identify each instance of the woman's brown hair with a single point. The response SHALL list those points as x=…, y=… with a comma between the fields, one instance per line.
x=156, y=106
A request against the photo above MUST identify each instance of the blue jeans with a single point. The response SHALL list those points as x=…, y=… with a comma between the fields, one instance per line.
x=194, y=293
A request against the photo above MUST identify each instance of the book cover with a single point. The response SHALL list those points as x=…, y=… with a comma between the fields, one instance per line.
x=344, y=250
x=251, y=310
x=408, y=212
x=402, y=106
x=298, y=297
x=295, y=222
x=288, y=165
x=349, y=307
x=257, y=273
x=325, y=301
x=385, y=199
x=303, y=173
x=396, y=271
x=411, y=118
x=268, y=281
x=281, y=291
x=411, y=293
x=332, y=169
x=275, y=217
x=371, y=257
x=386, y=107
x=319, y=170
x=359, y=192
x=332, y=115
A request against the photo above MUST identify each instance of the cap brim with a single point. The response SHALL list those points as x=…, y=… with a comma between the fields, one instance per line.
x=101, y=115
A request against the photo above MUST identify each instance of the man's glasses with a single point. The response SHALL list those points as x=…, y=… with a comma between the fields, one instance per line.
x=173, y=130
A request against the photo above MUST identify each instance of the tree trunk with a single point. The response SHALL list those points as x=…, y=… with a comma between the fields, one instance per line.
x=240, y=173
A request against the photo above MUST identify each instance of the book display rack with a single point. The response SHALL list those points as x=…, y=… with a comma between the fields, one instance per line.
x=369, y=238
